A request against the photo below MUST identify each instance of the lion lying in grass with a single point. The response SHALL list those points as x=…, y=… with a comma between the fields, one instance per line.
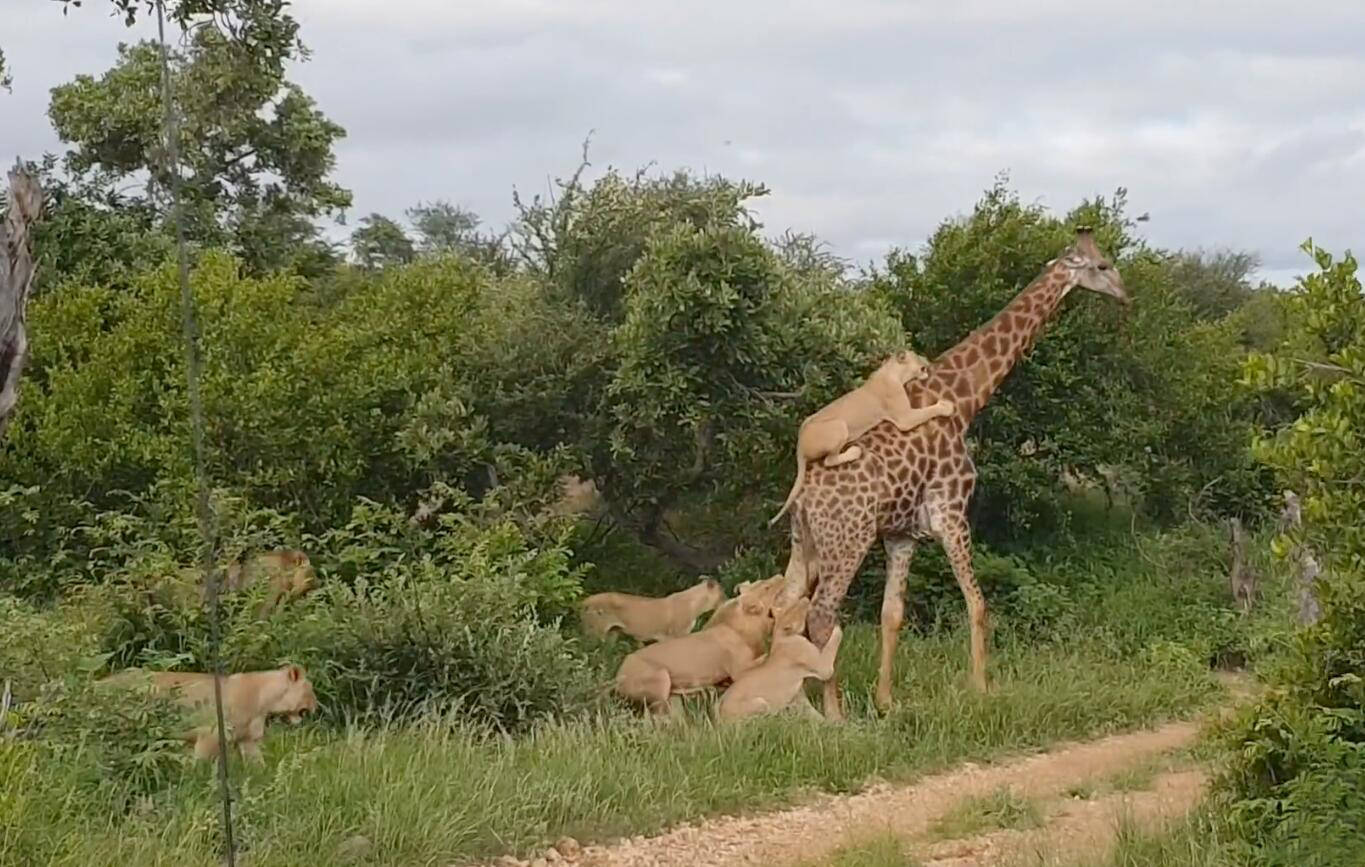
x=646, y=618
x=775, y=683
x=248, y=698
x=722, y=650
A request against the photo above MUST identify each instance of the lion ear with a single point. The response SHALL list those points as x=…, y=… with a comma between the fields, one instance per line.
x=294, y=671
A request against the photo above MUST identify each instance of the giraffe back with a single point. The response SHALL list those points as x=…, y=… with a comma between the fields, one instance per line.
x=899, y=472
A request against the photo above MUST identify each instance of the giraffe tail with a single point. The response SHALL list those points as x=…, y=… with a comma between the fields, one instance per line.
x=796, y=488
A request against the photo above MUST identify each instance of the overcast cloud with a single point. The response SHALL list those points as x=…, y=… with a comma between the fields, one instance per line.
x=1233, y=124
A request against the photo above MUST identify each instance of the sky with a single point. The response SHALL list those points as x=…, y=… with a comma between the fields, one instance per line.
x=1234, y=125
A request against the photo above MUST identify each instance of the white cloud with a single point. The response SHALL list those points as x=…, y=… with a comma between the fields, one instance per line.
x=871, y=120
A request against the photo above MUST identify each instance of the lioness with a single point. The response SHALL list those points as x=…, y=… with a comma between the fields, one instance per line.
x=646, y=618
x=290, y=573
x=774, y=684
x=722, y=650
x=289, y=570
x=248, y=698
x=825, y=433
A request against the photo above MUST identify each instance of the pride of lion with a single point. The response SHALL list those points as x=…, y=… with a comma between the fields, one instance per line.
x=754, y=645
x=750, y=643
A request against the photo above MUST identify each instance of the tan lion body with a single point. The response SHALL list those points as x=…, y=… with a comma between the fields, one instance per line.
x=882, y=397
x=725, y=648
x=289, y=572
x=248, y=697
x=775, y=683
x=646, y=618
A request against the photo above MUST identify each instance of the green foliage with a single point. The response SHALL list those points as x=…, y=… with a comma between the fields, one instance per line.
x=1294, y=785
x=444, y=229
x=117, y=745
x=255, y=151
x=586, y=240
x=456, y=617
x=380, y=242
x=715, y=328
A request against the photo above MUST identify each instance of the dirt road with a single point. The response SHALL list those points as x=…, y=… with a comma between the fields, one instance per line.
x=1078, y=791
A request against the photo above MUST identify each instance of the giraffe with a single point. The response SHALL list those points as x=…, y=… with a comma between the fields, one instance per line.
x=912, y=486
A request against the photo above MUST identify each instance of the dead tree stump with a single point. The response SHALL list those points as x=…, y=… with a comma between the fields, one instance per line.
x=1241, y=576
x=1305, y=563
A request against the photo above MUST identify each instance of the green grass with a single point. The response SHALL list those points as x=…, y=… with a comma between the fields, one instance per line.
x=436, y=794
x=883, y=850
x=1001, y=809
x=1189, y=842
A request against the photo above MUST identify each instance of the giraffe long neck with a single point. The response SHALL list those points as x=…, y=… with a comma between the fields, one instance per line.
x=971, y=371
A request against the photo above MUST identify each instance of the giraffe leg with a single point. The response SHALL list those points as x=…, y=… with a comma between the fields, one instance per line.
x=899, y=551
x=800, y=573
x=836, y=572
x=956, y=539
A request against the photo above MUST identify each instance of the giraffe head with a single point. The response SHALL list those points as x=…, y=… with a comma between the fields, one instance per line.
x=1089, y=268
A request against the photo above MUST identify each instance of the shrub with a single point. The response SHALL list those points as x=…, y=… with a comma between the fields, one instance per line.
x=1293, y=787
x=119, y=745
x=455, y=616
x=419, y=643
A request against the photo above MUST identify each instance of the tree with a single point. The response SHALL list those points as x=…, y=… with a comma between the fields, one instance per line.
x=380, y=242
x=24, y=205
x=261, y=28
x=255, y=151
x=585, y=240
x=1216, y=283
x=443, y=228
x=1297, y=758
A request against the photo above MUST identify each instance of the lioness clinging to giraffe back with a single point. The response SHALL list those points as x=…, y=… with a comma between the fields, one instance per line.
x=882, y=397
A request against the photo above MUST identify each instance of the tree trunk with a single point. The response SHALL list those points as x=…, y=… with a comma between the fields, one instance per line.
x=1241, y=576
x=16, y=279
x=1306, y=567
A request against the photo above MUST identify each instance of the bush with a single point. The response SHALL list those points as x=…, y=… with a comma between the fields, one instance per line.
x=421, y=643
x=455, y=616
x=1293, y=786
x=118, y=745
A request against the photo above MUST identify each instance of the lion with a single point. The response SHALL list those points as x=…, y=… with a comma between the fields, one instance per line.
x=774, y=684
x=882, y=397
x=290, y=573
x=289, y=570
x=248, y=697
x=722, y=650
x=646, y=618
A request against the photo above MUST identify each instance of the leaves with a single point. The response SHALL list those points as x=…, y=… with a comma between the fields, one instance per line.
x=255, y=151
